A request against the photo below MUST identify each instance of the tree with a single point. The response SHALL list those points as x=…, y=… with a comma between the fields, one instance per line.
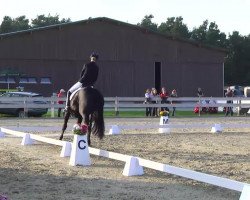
x=199, y=34
x=208, y=33
x=174, y=26
x=10, y=25
x=147, y=23
x=21, y=23
x=215, y=37
x=43, y=20
x=237, y=66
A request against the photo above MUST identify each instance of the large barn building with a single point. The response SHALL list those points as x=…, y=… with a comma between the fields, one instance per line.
x=131, y=59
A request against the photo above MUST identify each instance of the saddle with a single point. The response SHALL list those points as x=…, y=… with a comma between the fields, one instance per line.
x=73, y=93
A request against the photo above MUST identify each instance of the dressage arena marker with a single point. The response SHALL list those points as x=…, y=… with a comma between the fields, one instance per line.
x=1, y=134
x=114, y=130
x=132, y=167
x=164, y=122
x=216, y=128
x=245, y=195
x=80, y=152
x=26, y=139
x=186, y=173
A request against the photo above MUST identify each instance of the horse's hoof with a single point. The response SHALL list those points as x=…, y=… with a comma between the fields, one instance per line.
x=60, y=138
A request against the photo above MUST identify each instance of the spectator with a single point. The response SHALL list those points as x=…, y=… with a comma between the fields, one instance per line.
x=173, y=94
x=200, y=93
x=61, y=94
x=229, y=93
x=212, y=109
x=164, y=97
x=148, y=99
x=154, y=101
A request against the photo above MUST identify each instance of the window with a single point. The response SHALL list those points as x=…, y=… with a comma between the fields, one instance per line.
x=28, y=80
x=15, y=95
x=7, y=80
x=23, y=80
x=45, y=80
x=11, y=80
x=3, y=80
x=32, y=80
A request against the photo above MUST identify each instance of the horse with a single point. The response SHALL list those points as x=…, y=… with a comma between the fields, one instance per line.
x=87, y=106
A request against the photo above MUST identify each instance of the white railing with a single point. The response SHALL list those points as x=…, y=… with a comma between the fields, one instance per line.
x=118, y=103
x=182, y=172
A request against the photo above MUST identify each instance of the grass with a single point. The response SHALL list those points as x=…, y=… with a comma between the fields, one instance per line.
x=142, y=114
x=139, y=114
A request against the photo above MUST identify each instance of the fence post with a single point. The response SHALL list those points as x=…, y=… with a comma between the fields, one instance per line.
x=25, y=109
x=116, y=106
x=52, y=108
x=239, y=108
x=199, y=106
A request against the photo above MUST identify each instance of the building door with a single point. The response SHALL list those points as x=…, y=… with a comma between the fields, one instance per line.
x=158, y=76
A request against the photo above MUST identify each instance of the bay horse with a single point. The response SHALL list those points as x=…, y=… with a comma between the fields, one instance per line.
x=87, y=106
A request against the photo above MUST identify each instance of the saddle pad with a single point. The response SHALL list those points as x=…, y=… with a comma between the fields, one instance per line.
x=73, y=93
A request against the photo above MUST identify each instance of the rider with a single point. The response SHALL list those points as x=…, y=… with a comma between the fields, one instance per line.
x=88, y=77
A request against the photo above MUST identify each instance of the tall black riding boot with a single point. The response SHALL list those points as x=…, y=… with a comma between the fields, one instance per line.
x=68, y=101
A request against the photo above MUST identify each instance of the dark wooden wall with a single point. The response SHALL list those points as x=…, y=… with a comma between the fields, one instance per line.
x=127, y=58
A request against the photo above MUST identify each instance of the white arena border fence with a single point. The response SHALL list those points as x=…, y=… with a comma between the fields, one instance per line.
x=28, y=138
x=242, y=187
x=132, y=103
x=117, y=129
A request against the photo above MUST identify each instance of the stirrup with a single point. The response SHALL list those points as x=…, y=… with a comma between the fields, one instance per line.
x=66, y=108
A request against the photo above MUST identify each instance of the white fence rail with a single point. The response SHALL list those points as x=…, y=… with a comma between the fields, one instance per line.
x=118, y=103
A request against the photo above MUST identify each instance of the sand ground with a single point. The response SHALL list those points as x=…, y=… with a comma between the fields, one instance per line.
x=37, y=171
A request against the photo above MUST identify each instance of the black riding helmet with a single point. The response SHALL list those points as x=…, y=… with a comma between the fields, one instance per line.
x=95, y=55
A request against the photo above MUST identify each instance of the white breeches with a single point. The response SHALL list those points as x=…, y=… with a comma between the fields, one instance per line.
x=75, y=87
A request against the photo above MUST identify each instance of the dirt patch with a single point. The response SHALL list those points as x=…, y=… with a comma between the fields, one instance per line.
x=37, y=171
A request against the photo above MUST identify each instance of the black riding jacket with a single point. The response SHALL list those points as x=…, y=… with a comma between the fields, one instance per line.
x=89, y=74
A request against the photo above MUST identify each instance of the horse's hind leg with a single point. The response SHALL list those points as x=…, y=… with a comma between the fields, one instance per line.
x=87, y=121
x=89, y=132
x=66, y=119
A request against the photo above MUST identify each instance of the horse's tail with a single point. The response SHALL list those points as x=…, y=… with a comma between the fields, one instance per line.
x=98, y=126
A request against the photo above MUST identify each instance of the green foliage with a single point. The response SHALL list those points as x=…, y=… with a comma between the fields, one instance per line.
x=10, y=25
x=237, y=66
x=21, y=23
x=147, y=23
x=208, y=33
x=43, y=20
x=199, y=34
x=135, y=114
x=138, y=114
x=174, y=26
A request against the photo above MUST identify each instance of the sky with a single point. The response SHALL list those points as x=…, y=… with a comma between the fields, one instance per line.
x=229, y=15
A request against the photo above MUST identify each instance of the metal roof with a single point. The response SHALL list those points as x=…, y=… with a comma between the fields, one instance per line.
x=108, y=20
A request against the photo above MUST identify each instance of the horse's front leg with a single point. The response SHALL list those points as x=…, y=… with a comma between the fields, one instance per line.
x=79, y=120
x=66, y=119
